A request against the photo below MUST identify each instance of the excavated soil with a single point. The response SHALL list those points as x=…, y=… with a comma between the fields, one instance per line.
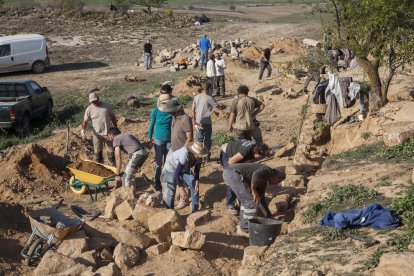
x=92, y=168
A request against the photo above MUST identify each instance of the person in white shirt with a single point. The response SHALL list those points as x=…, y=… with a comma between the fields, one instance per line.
x=220, y=83
x=211, y=73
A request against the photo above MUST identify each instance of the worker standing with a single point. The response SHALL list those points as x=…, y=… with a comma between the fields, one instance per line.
x=220, y=78
x=211, y=73
x=148, y=54
x=204, y=44
x=136, y=151
x=103, y=118
x=265, y=61
x=249, y=182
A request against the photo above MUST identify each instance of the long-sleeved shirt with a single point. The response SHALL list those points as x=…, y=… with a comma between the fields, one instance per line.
x=204, y=44
x=211, y=69
x=162, y=123
x=220, y=66
x=178, y=163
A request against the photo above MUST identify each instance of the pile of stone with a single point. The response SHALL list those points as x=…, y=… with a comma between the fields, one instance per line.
x=131, y=225
x=191, y=55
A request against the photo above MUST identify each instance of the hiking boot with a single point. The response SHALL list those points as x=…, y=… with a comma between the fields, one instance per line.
x=181, y=204
x=242, y=232
x=232, y=211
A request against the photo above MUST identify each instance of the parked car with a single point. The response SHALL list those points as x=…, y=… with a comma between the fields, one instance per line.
x=20, y=102
x=23, y=52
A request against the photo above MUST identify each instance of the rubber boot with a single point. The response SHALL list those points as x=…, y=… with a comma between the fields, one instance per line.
x=99, y=157
x=111, y=158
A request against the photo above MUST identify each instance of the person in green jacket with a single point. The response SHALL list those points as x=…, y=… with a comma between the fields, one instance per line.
x=161, y=137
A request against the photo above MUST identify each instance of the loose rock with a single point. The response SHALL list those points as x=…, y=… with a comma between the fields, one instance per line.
x=163, y=223
x=141, y=214
x=124, y=210
x=154, y=200
x=393, y=138
x=126, y=256
x=109, y=270
x=286, y=150
x=158, y=249
x=52, y=263
x=198, y=218
x=190, y=239
x=253, y=255
x=74, y=245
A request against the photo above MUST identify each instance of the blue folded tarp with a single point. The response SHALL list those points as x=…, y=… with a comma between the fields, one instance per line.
x=374, y=215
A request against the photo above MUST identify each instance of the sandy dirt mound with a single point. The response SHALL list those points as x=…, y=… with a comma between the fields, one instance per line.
x=92, y=168
x=30, y=171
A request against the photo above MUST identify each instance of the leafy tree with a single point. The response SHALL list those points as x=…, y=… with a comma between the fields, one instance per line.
x=151, y=3
x=380, y=32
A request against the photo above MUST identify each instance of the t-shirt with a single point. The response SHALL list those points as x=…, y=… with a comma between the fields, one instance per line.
x=204, y=44
x=210, y=69
x=220, y=66
x=128, y=143
x=243, y=146
x=203, y=105
x=148, y=48
x=266, y=53
x=243, y=107
x=180, y=126
x=254, y=173
x=178, y=156
x=162, y=123
x=100, y=117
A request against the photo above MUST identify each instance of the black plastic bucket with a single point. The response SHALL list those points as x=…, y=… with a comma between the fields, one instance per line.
x=263, y=231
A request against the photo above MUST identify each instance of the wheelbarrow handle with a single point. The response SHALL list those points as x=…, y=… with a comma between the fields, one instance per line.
x=58, y=204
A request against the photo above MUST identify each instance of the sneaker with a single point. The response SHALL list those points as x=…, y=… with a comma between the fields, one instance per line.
x=242, y=232
x=232, y=211
x=181, y=204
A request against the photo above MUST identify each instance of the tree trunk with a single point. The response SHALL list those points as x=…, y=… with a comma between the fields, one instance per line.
x=372, y=70
x=386, y=85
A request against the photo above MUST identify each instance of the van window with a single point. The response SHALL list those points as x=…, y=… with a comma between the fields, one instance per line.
x=12, y=90
x=5, y=50
x=34, y=86
x=21, y=47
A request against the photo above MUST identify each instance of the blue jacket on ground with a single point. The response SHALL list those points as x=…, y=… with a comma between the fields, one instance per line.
x=204, y=44
x=374, y=215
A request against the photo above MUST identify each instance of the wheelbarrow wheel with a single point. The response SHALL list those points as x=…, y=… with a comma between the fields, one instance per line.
x=75, y=189
x=34, y=252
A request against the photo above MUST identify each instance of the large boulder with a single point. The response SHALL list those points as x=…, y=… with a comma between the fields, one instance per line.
x=124, y=210
x=74, y=245
x=198, y=218
x=141, y=214
x=126, y=256
x=163, y=223
x=279, y=203
x=54, y=263
x=191, y=239
x=158, y=249
x=393, y=264
x=117, y=196
x=117, y=233
x=396, y=137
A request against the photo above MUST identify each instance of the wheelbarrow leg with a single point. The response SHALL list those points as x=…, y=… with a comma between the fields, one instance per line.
x=96, y=194
x=89, y=192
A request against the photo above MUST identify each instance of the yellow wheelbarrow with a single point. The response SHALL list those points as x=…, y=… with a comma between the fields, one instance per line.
x=82, y=181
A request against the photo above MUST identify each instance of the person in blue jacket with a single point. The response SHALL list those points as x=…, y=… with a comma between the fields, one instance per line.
x=204, y=45
x=161, y=138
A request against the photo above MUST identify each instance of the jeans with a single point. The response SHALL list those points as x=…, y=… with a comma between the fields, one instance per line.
x=204, y=58
x=243, y=192
x=230, y=195
x=211, y=82
x=148, y=60
x=161, y=149
x=189, y=180
x=220, y=83
x=204, y=136
x=136, y=160
x=265, y=65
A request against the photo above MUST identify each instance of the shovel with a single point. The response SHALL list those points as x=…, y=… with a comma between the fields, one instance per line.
x=66, y=156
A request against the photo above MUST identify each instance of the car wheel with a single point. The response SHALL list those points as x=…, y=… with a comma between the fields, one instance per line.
x=38, y=67
x=24, y=128
x=49, y=110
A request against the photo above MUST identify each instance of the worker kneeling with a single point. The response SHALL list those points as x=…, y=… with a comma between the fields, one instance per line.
x=136, y=151
x=178, y=170
x=249, y=182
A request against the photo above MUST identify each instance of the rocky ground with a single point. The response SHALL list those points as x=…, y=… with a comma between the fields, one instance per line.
x=136, y=235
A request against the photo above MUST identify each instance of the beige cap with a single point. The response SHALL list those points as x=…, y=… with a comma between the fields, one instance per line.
x=93, y=97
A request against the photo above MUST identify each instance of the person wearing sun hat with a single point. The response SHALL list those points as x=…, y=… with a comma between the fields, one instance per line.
x=161, y=137
x=183, y=167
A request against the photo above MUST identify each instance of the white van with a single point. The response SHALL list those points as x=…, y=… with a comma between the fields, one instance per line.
x=23, y=52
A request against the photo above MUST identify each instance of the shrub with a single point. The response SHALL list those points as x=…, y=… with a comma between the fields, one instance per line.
x=220, y=138
x=185, y=100
x=122, y=5
x=169, y=13
x=1, y=4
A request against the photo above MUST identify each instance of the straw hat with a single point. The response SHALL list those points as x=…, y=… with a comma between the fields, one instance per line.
x=170, y=106
x=162, y=100
x=198, y=149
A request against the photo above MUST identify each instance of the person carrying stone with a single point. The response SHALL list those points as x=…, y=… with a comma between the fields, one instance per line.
x=102, y=117
x=148, y=54
x=220, y=78
x=183, y=167
x=239, y=151
x=204, y=44
x=249, y=182
x=161, y=137
x=242, y=116
x=265, y=61
x=127, y=143
x=211, y=73
x=203, y=105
